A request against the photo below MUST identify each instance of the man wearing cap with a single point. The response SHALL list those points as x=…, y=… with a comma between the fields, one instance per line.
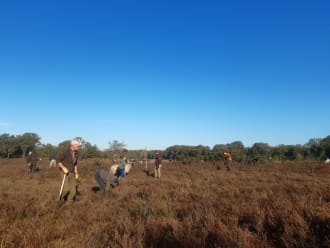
x=67, y=162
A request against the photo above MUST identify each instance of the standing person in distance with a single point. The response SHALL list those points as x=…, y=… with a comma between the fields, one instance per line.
x=228, y=160
x=68, y=164
x=158, y=164
x=31, y=161
x=52, y=160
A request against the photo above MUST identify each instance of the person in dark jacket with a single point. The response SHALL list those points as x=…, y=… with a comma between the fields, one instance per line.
x=31, y=161
x=68, y=164
x=106, y=179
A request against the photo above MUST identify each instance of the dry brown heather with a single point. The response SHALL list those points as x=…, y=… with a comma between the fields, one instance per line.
x=190, y=206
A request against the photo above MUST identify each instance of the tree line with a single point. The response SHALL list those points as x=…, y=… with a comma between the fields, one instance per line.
x=17, y=146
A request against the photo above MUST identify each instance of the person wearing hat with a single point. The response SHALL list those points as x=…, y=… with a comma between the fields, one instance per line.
x=31, y=160
x=158, y=164
x=68, y=164
x=228, y=160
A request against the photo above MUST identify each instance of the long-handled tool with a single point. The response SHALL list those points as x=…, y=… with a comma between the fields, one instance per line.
x=60, y=195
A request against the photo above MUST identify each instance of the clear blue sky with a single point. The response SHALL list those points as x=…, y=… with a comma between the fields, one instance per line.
x=166, y=72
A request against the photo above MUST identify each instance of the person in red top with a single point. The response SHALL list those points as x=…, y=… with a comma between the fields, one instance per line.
x=228, y=160
x=68, y=163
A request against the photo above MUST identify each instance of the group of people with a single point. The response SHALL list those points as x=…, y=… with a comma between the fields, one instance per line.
x=32, y=160
x=67, y=162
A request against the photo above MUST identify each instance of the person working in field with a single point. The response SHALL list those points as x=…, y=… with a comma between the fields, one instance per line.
x=68, y=164
x=121, y=167
x=31, y=160
x=228, y=160
x=106, y=180
x=158, y=164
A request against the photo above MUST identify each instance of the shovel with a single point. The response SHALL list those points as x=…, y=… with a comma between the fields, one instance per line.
x=60, y=195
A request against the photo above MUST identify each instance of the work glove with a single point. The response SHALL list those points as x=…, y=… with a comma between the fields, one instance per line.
x=65, y=170
x=76, y=176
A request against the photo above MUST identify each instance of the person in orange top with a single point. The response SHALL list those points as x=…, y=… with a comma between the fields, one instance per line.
x=228, y=160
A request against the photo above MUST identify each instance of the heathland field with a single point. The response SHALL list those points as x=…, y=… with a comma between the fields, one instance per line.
x=197, y=205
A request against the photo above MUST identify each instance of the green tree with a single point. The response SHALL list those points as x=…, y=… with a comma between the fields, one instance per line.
x=188, y=154
x=89, y=151
x=278, y=152
x=46, y=151
x=115, y=145
x=218, y=151
x=116, y=149
x=9, y=147
x=237, y=150
x=260, y=150
x=290, y=152
x=325, y=146
x=313, y=147
x=28, y=142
